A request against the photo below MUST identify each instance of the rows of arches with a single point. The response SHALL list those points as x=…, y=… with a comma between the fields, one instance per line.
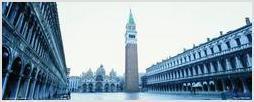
x=233, y=86
x=233, y=63
x=24, y=80
x=222, y=44
x=100, y=87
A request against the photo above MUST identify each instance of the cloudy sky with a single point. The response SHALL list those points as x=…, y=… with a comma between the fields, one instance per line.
x=93, y=32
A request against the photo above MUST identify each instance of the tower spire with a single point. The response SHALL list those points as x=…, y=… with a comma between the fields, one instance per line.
x=131, y=20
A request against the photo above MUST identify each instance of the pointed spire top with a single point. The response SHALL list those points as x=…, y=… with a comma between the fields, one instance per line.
x=131, y=20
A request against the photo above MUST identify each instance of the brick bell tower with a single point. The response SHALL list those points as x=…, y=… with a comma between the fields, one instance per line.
x=131, y=57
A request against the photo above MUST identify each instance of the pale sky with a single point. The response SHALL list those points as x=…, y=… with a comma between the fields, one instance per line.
x=93, y=32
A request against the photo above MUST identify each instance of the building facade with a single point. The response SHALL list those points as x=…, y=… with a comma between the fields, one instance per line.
x=97, y=82
x=221, y=65
x=32, y=51
x=74, y=83
x=131, y=57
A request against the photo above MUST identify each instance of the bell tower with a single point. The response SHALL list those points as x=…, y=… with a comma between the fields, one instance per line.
x=131, y=56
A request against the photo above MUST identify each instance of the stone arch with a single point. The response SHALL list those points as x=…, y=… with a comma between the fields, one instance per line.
x=17, y=66
x=106, y=87
x=239, y=86
x=38, y=84
x=11, y=86
x=212, y=86
x=5, y=58
x=90, y=87
x=219, y=84
x=112, y=87
x=228, y=84
x=118, y=87
x=32, y=82
x=98, y=87
x=84, y=87
x=249, y=83
x=205, y=86
x=24, y=81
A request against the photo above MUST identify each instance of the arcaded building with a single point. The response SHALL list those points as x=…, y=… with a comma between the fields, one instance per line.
x=32, y=51
x=220, y=65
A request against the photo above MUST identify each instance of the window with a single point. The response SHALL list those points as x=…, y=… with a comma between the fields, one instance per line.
x=249, y=37
x=219, y=47
x=194, y=56
x=131, y=36
x=199, y=54
x=211, y=48
x=133, y=27
x=205, y=52
x=238, y=41
x=228, y=44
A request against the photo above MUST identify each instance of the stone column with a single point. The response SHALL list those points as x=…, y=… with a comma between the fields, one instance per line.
x=220, y=69
x=32, y=87
x=37, y=86
x=5, y=80
x=184, y=73
x=29, y=33
x=26, y=86
x=13, y=14
x=212, y=67
x=199, y=70
x=24, y=29
x=238, y=62
x=172, y=75
x=224, y=87
x=9, y=9
x=194, y=71
x=35, y=41
x=34, y=36
x=205, y=69
x=246, y=91
x=179, y=73
x=182, y=87
x=189, y=72
x=228, y=64
x=16, y=90
x=19, y=21
x=233, y=86
x=42, y=92
x=94, y=87
x=208, y=87
x=216, y=86
x=249, y=60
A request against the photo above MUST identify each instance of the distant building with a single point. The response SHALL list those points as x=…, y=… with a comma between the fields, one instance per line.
x=74, y=83
x=96, y=82
x=222, y=64
x=32, y=52
x=143, y=83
